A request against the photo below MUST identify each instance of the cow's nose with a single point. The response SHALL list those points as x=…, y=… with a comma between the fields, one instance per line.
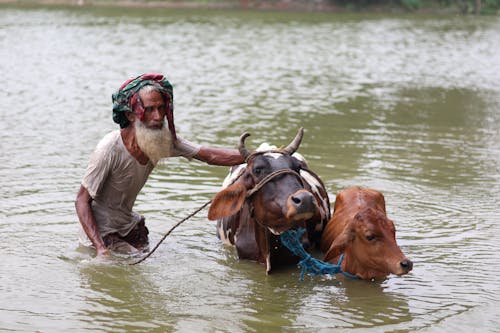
x=407, y=265
x=303, y=201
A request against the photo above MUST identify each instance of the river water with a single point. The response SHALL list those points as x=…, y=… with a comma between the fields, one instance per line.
x=407, y=105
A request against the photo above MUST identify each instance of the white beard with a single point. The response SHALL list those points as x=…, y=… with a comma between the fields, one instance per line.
x=155, y=143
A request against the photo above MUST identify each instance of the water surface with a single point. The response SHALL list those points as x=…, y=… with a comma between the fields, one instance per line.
x=406, y=105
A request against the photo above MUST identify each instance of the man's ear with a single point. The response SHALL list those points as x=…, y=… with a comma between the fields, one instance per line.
x=227, y=202
x=131, y=117
x=340, y=243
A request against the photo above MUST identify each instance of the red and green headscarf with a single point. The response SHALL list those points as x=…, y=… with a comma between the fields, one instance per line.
x=127, y=99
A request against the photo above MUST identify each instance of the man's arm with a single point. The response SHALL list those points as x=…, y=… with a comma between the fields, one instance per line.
x=87, y=220
x=220, y=156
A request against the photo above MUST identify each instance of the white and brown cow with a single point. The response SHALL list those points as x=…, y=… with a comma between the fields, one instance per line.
x=273, y=192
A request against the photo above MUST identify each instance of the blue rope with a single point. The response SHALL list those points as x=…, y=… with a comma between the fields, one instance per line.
x=308, y=264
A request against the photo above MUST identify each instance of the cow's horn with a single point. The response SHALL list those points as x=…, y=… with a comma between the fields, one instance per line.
x=243, y=150
x=294, y=145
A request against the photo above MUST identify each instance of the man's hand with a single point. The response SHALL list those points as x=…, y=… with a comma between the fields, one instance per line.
x=103, y=253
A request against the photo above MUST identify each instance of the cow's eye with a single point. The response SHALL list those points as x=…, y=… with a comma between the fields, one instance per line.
x=257, y=171
x=296, y=166
x=370, y=237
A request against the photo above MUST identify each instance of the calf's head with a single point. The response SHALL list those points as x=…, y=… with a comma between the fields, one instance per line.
x=369, y=244
x=271, y=184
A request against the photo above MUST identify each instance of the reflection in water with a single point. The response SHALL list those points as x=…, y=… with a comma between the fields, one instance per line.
x=120, y=298
x=355, y=304
x=405, y=105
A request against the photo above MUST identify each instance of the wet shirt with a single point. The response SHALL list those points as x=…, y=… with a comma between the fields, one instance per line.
x=114, y=178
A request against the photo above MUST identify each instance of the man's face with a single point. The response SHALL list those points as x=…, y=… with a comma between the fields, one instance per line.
x=155, y=109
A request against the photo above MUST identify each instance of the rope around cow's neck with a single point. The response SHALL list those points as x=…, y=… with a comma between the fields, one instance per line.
x=270, y=177
x=169, y=231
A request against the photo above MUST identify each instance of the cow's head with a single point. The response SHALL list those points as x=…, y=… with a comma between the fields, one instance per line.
x=369, y=244
x=271, y=183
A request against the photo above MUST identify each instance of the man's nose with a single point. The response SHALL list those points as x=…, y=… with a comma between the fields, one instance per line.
x=158, y=114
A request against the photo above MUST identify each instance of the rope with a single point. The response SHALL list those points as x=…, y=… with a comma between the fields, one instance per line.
x=257, y=187
x=249, y=194
x=269, y=177
x=169, y=231
x=308, y=264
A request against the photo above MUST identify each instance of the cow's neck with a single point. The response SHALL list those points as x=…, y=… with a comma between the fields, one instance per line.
x=351, y=266
x=354, y=267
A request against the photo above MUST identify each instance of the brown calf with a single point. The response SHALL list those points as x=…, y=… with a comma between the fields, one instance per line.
x=360, y=229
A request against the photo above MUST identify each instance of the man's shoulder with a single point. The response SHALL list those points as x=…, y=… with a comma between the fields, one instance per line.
x=109, y=140
x=110, y=146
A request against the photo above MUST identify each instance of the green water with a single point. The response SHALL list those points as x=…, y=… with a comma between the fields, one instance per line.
x=406, y=105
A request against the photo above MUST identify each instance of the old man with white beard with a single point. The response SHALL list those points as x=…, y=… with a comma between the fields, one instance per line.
x=124, y=159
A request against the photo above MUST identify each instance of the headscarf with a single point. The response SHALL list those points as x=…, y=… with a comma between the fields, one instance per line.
x=126, y=99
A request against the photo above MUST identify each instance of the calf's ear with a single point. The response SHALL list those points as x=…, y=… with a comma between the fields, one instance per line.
x=227, y=202
x=339, y=244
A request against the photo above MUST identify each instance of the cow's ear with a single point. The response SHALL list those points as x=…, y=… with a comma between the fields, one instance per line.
x=227, y=202
x=339, y=244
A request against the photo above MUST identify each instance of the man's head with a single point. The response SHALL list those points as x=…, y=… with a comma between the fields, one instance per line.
x=129, y=100
x=143, y=103
x=153, y=137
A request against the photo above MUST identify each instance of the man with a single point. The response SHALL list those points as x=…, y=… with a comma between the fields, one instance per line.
x=124, y=159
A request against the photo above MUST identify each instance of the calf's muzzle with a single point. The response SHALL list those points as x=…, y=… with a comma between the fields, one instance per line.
x=406, y=265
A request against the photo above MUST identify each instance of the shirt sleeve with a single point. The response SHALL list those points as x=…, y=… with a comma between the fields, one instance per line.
x=97, y=170
x=185, y=148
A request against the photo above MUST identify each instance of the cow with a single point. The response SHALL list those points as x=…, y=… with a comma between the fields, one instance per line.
x=360, y=230
x=272, y=192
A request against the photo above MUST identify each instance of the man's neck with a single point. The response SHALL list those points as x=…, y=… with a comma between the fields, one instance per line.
x=130, y=142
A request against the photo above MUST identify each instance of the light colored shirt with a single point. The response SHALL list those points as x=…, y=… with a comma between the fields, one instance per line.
x=114, y=178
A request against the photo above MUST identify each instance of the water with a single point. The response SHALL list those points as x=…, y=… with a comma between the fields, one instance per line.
x=409, y=106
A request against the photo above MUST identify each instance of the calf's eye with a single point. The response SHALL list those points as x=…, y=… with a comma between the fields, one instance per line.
x=370, y=238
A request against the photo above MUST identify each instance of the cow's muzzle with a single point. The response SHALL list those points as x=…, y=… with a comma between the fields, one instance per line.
x=301, y=206
x=406, y=266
